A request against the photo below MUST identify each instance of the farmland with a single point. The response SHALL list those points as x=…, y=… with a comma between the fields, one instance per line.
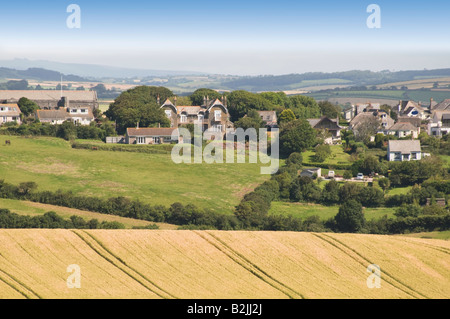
x=151, y=178
x=216, y=264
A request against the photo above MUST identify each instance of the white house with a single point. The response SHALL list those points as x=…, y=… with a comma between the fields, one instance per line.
x=404, y=150
x=439, y=123
x=78, y=115
x=9, y=113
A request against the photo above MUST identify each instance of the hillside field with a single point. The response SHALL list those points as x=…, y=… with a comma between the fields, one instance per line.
x=219, y=264
x=151, y=178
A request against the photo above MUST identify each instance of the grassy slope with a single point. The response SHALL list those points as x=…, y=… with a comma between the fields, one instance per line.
x=152, y=178
x=304, y=210
x=215, y=264
x=33, y=209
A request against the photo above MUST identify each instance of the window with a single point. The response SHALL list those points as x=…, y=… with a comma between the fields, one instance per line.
x=217, y=115
x=73, y=111
x=414, y=156
x=2, y=109
x=83, y=110
x=217, y=128
x=183, y=118
x=168, y=113
x=397, y=156
x=200, y=117
x=4, y=118
x=405, y=157
x=140, y=140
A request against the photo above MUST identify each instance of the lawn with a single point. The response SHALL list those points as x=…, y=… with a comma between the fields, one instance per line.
x=338, y=156
x=151, y=178
x=304, y=210
x=431, y=235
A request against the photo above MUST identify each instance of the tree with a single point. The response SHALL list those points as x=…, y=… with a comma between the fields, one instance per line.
x=295, y=158
x=198, y=96
x=139, y=105
x=286, y=116
x=329, y=109
x=366, y=128
x=17, y=85
x=323, y=151
x=27, y=106
x=304, y=106
x=384, y=183
x=240, y=102
x=350, y=217
x=296, y=136
x=330, y=193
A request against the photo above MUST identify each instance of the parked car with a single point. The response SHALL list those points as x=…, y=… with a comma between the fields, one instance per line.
x=360, y=176
x=331, y=174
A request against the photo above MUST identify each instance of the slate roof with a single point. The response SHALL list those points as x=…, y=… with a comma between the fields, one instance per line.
x=404, y=146
x=443, y=106
x=150, y=131
x=403, y=126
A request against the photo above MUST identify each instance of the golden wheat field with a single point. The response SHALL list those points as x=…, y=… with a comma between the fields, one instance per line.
x=219, y=264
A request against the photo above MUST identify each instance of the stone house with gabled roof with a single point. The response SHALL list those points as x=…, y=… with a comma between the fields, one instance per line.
x=404, y=129
x=212, y=115
x=330, y=125
x=9, y=113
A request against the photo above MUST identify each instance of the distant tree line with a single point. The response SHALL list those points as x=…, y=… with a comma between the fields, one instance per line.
x=52, y=220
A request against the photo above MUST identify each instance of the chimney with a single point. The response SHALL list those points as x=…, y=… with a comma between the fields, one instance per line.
x=207, y=100
x=175, y=99
x=159, y=125
x=225, y=101
x=137, y=125
x=204, y=100
x=431, y=103
x=158, y=100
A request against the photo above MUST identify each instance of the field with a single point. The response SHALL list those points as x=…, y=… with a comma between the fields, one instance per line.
x=217, y=264
x=304, y=210
x=151, y=178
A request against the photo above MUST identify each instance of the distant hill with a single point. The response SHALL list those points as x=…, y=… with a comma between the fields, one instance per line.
x=91, y=70
x=350, y=78
x=38, y=74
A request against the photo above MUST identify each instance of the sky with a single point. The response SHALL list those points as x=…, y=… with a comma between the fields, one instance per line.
x=245, y=37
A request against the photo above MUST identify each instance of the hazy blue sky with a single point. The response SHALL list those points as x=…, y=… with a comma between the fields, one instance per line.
x=231, y=37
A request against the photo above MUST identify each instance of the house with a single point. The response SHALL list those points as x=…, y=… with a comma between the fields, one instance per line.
x=211, y=115
x=410, y=109
x=385, y=120
x=9, y=113
x=312, y=172
x=404, y=129
x=404, y=150
x=270, y=118
x=442, y=106
x=78, y=115
x=358, y=108
x=330, y=125
x=52, y=99
x=439, y=123
x=150, y=135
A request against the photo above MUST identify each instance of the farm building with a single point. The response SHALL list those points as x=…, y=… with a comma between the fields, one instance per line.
x=9, y=113
x=52, y=99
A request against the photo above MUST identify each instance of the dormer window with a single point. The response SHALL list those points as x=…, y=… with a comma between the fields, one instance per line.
x=217, y=115
x=73, y=111
x=83, y=110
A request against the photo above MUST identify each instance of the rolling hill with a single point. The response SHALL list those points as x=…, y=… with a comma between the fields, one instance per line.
x=216, y=264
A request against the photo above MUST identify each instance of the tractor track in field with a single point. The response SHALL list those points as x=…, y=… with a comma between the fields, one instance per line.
x=249, y=266
x=117, y=262
x=366, y=262
x=28, y=294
